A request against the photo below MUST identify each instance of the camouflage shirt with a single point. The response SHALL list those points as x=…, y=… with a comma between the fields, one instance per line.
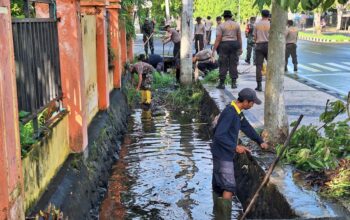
x=146, y=70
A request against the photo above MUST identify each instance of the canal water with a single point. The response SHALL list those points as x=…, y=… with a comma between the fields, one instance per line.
x=164, y=171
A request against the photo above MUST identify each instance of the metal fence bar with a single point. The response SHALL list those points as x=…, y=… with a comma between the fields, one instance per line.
x=37, y=63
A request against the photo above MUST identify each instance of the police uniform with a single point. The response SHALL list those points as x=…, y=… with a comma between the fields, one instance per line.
x=147, y=30
x=229, y=46
x=208, y=25
x=291, y=46
x=205, y=62
x=261, y=36
x=199, y=36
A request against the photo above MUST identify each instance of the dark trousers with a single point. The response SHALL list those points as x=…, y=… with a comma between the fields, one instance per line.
x=207, y=67
x=150, y=43
x=261, y=50
x=228, y=59
x=250, y=49
x=176, y=54
x=291, y=50
x=176, y=50
x=208, y=33
x=199, y=42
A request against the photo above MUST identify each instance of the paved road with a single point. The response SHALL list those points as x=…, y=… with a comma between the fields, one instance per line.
x=326, y=65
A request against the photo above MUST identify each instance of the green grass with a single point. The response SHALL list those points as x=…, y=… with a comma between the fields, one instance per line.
x=335, y=37
x=213, y=77
x=162, y=80
x=186, y=98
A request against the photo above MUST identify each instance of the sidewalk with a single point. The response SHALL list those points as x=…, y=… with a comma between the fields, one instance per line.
x=299, y=98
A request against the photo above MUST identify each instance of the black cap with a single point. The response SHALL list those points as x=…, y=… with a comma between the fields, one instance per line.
x=167, y=25
x=227, y=13
x=265, y=13
x=250, y=95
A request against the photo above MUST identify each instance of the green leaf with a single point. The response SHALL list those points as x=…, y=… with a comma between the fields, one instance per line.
x=327, y=4
x=293, y=5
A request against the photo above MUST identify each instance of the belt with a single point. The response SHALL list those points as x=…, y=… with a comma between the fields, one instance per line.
x=290, y=43
x=263, y=42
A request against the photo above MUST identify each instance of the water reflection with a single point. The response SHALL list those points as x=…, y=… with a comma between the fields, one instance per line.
x=164, y=173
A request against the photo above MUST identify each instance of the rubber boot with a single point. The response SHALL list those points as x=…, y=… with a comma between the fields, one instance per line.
x=221, y=84
x=259, y=87
x=223, y=209
x=233, y=84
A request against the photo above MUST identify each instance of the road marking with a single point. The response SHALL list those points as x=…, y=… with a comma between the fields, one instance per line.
x=339, y=66
x=314, y=52
x=308, y=68
x=327, y=74
x=324, y=67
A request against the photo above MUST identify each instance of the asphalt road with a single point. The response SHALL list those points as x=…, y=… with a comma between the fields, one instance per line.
x=326, y=65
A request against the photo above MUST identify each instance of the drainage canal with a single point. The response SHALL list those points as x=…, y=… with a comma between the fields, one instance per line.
x=164, y=171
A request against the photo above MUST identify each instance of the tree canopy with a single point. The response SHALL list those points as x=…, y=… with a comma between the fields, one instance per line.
x=214, y=8
x=307, y=5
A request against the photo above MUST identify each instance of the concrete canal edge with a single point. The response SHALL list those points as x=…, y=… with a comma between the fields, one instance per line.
x=281, y=198
x=80, y=185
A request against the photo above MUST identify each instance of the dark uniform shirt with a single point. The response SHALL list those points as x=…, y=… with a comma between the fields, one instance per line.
x=154, y=59
x=226, y=133
x=148, y=27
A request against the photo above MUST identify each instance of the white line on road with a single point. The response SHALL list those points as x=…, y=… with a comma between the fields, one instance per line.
x=327, y=74
x=314, y=52
x=308, y=68
x=339, y=66
x=324, y=67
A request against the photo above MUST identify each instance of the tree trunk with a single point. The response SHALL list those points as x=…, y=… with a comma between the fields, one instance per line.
x=276, y=121
x=340, y=10
x=186, y=42
x=167, y=11
x=317, y=22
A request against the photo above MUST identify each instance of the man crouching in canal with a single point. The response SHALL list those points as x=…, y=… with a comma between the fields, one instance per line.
x=225, y=145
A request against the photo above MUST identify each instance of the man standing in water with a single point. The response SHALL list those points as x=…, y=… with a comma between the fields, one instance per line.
x=225, y=146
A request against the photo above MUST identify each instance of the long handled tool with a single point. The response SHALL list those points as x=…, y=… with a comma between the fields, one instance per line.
x=148, y=38
x=269, y=172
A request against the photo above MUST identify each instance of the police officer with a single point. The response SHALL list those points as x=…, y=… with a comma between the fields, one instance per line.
x=206, y=62
x=147, y=30
x=291, y=44
x=199, y=35
x=228, y=38
x=174, y=36
x=250, y=40
x=208, y=26
x=261, y=38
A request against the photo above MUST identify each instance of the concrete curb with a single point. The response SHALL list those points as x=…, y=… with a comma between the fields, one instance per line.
x=315, y=39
